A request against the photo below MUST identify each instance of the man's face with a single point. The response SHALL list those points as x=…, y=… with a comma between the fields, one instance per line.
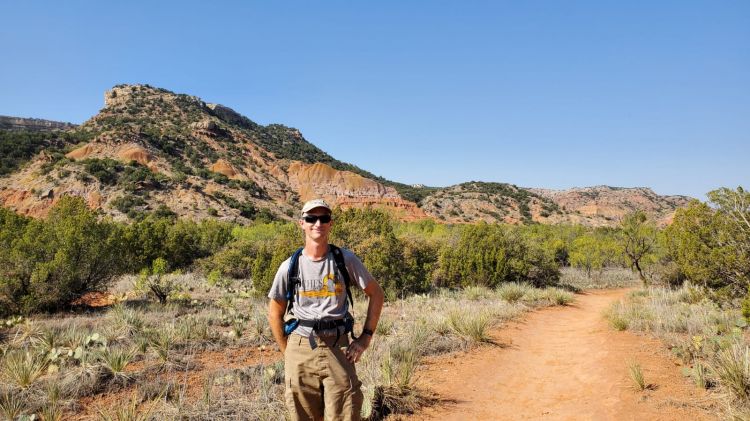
x=316, y=230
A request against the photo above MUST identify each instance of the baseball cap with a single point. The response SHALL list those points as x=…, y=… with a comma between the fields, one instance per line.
x=315, y=203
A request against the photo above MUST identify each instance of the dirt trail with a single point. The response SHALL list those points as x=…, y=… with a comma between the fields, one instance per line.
x=563, y=363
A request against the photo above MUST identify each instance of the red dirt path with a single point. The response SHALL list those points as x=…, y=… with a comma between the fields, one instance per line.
x=563, y=363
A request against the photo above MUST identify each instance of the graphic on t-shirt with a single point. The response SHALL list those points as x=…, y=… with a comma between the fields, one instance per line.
x=328, y=288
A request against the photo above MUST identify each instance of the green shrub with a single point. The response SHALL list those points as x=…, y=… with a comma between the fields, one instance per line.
x=709, y=244
x=58, y=259
x=256, y=253
x=489, y=255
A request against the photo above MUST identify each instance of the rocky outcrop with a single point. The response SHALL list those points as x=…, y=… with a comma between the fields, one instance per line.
x=610, y=204
x=348, y=190
x=223, y=167
x=321, y=180
x=32, y=124
x=136, y=153
x=400, y=208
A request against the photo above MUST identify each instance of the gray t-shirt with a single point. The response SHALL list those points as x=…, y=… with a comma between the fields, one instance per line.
x=322, y=290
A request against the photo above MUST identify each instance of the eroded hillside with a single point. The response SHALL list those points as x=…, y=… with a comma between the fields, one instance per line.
x=151, y=150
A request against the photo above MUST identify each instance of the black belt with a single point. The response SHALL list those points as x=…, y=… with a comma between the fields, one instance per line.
x=318, y=325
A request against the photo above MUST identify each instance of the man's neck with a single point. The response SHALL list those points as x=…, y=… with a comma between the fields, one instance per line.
x=316, y=250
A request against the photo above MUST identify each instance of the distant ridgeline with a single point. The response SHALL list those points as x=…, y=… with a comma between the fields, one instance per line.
x=152, y=150
x=32, y=124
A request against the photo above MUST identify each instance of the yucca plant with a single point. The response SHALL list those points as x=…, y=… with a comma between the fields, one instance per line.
x=475, y=293
x=73, y=337
x=259, y=326
x=161, y=342
x=52, y=412
x=127, y=320
x=26, y=332
x=47, y=341
x=22, y=368
x=395, y=393
x=399, y=366
x=114, y=360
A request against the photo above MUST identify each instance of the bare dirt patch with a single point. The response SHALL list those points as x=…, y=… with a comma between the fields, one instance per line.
x=563, y=363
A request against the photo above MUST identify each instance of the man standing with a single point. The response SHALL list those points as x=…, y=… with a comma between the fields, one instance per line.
x=319, y=359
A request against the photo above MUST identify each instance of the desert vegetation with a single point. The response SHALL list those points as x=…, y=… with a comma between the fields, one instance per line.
x=697, y=273
x=182, y=331
x=207, y=352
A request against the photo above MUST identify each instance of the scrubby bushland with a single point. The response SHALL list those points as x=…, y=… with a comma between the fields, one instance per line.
x=255, y=252
x=47, y=263
x=595, y=251
x=488, y=255
x=44, y=264
x=420, y=257
x=178, y=241
x=402, y=266
x=710, y=246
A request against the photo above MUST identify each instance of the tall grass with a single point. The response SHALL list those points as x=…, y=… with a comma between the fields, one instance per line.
x=12, y=405
x=732, y=368
x=607, y=278
x=127, y=412
x=472, y=326
x=697, y=330
x=636, y=375
x=512, y=292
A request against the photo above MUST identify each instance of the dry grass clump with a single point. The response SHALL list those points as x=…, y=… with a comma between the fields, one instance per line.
x=577, y=279
x=732, y=369
x=558, y=296
x=636, y=375
x=471, y=325
x=126, y=412
x=12, y=405
x=513, y=292
x=709, y=337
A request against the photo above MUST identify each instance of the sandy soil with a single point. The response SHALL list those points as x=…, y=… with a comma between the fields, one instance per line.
x=563, y=363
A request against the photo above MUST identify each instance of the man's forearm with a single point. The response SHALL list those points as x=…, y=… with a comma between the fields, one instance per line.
x=276, y=321
x=374, y=307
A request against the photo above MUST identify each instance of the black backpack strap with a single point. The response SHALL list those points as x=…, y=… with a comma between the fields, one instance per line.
x=338, y=257
x=292, y=279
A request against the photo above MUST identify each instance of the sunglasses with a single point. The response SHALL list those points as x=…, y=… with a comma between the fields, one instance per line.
x=312, y=219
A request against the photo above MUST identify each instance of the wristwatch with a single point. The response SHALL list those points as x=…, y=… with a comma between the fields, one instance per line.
x=366, y=331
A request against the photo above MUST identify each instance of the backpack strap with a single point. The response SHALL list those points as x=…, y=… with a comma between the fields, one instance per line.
x=292, y=279
x=338, y=257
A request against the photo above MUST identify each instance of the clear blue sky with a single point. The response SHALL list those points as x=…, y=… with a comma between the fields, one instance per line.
x=537, y=93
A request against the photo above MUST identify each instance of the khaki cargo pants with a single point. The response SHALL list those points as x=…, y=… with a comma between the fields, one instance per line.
x=321, y=380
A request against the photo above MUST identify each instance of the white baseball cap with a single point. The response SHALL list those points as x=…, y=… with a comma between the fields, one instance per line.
x=315, y=203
